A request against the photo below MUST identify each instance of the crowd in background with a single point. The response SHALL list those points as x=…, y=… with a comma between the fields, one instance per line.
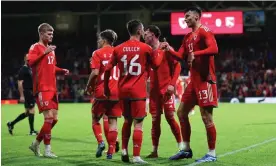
x=247, y=71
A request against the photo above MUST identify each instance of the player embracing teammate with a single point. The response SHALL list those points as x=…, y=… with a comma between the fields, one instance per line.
x=162, y=88
x=133, y=59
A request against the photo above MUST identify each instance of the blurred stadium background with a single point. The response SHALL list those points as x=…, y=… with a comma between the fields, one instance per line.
x=246, y=64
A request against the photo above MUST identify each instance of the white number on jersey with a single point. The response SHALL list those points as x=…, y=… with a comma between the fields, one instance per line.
x=190, y=47
x=51, y=59
x=129, y=69
x=203, y=94
x=114, y=76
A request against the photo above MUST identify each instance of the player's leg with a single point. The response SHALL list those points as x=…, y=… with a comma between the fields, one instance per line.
x=207, y=96
x=20, y=117
x=98, y=110
x=31, y=113
x=138, y=113
x=11, y=124
x=156, y=122
x=188, y=101
x=44, y=134
x=113, y=112
x=30, y=110
x=48, y=104
x=105, y=126
x=126, y=129
x=169, y=109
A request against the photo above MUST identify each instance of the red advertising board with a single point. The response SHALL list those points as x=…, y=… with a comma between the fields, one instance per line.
x=218, y=22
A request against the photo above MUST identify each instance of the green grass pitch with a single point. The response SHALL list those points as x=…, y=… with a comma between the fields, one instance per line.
x=238, y=126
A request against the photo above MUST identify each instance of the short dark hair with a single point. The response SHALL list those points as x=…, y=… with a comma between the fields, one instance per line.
x=109, y=35
x=155, y=30
x=196, y=9
x=132, y=26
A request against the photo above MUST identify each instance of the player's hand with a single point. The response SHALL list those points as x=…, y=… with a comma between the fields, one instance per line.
x=164, y=46
x=190, y=59
x=66, y=71
x=22, y=99
x=88, y=90
x=49, y=49
x=170, y=90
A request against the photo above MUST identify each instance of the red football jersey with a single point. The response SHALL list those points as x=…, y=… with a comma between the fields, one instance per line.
x=166, y=74
x=203, y=43
x=99, y=61
x=43, y=68
x=133, y=58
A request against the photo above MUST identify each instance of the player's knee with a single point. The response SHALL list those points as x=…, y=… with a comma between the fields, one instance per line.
x=96, y=118
x=27, y=112
x=112, y=121
x=207, y=120
x=169, y=115
x=112, y=125
x=138, y=122
x=179, y=113
x=155, y=117
x=138, y=126
x=31, y=111
x=48, y=114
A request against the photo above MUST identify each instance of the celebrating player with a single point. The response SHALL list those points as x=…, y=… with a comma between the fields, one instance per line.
x=162, y=88
x=42, y=60
x=101, y=105
x=25, y=89
x=199, y=48
x=133, y=58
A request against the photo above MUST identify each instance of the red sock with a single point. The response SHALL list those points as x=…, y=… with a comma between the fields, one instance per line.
x=156, y=130
x=54, y=123
x=137, y=141
x=126, y=131
x=97, y=132
x=185, y=129
x=45, y=132
x=211, y=136
x=106, y=128
x=112, y=136
x=174, y=127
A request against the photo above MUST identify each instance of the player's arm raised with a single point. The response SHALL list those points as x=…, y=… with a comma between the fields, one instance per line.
x=112, y=62
x=94, y=65
x=34, y=55
x=179, y=55
x=210, y=42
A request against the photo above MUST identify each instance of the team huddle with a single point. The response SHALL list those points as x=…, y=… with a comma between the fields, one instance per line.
x=118, y=83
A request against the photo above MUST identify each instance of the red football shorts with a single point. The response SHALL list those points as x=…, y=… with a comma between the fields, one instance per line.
x=134, y=108
x=158, y=103
x=202, y=94
x=107, y=107
x=47, y=100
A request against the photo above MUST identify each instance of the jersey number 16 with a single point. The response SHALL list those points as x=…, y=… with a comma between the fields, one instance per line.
x=128, y=69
